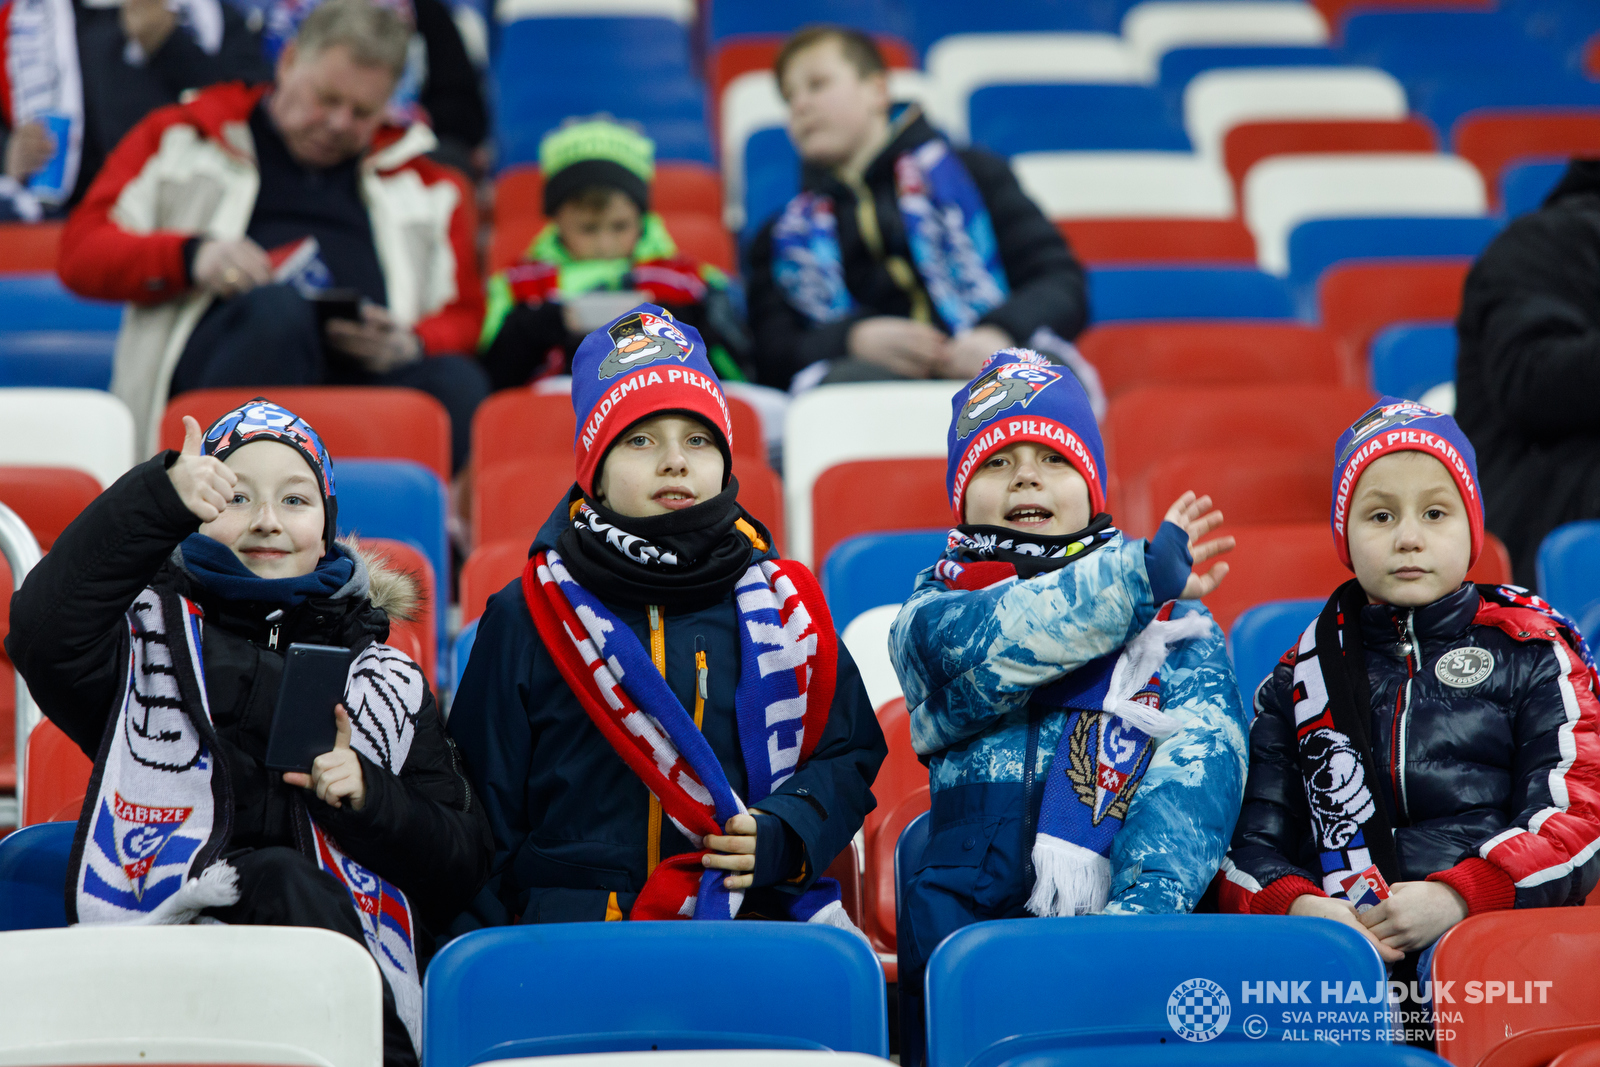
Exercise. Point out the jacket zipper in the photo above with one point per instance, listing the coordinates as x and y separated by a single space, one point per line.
1027 797
1402 710
658 656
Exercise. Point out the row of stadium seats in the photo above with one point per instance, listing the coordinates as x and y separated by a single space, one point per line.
994 990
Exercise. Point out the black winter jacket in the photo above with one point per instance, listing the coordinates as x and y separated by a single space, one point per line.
1529 366
571 819
424 830
1494 787
1047 284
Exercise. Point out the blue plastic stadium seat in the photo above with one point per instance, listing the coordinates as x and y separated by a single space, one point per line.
1411 358
401 500
1135 293
1179 66
733 18
942 18
33 874
1446 105
1009 119
1590 623
66 359
1111 981
1425 49
40 302
871 570
461 651
1316 245
569 988
907 858
771 176
1524 186
1568 567
1262 635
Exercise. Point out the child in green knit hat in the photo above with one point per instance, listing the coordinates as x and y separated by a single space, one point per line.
602 245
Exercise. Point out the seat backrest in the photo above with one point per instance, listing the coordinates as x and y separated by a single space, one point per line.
420 636
1154 28
1218 100
901 774
1411 358
867 638
1129 354
354 421
1012 119
1262 634
33 877
550 989
1250 142
1568 567
85 429
1537 970
1122 185
1319 244
1545 1048
190 994
490 568
1251 486
1132 242
47 498
1153 294
838 423
1270 417
29 247
1356 300
1284 191
39 301
398 500
1190 968
876 495
1491 142
1523 186
58 776
871 570
880 898
1584 1055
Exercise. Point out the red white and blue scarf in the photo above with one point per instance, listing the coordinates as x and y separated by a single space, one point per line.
788 654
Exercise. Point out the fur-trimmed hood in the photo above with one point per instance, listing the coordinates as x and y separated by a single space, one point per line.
394 592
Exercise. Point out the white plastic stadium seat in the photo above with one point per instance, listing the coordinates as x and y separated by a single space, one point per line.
1153 29
837 423
188 994
1068 185
1218 100
1281 192
959 64
680 11
752 102
86 429
867 638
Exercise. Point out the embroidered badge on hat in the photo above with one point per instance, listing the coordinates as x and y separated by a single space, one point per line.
1003 387
643 338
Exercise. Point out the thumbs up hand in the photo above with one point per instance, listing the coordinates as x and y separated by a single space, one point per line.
335 776
204 483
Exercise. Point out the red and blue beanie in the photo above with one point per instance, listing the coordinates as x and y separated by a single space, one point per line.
1020 395
1394 425
262 420
642 364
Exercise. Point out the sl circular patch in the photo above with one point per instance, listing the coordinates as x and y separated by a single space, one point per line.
1463 668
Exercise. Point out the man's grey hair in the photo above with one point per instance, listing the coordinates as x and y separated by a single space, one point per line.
375 35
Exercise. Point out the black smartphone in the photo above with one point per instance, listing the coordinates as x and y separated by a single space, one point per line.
336 304
302 724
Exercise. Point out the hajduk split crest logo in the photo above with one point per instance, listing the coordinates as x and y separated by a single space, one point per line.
1198 1010
1004 386
642 338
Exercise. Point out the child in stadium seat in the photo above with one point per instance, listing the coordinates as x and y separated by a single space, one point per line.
658 668
1082 728
1442 731
154 635
602 237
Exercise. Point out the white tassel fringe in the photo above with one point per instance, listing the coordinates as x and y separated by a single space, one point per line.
1071 879
216 887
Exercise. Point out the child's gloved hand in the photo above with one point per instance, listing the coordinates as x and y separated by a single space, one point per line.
739 848
1416 915
1195 517
1342 911
204 483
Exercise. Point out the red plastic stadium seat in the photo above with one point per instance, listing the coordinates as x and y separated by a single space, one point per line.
1357 300
1207 353
8 690
1152 423
514 424
1492 140
354 421
1120 242
417 638
901 789
46 498
872 495
1507 951
487 571
1542 1048
29 248
1584 1055
734 56
1251 487
1248 143
513 498
58 776
1591 57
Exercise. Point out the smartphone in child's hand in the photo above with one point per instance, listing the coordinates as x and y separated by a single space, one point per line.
303 726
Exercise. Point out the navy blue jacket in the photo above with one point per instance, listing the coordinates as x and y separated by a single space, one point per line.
571 820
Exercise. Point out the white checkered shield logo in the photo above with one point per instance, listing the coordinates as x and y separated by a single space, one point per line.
1198 1009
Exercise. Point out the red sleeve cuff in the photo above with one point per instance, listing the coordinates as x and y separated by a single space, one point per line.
1276 897
1481 884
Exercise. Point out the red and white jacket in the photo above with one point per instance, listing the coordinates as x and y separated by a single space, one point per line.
189 170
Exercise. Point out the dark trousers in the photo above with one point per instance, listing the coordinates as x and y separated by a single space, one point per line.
280 887
268 336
